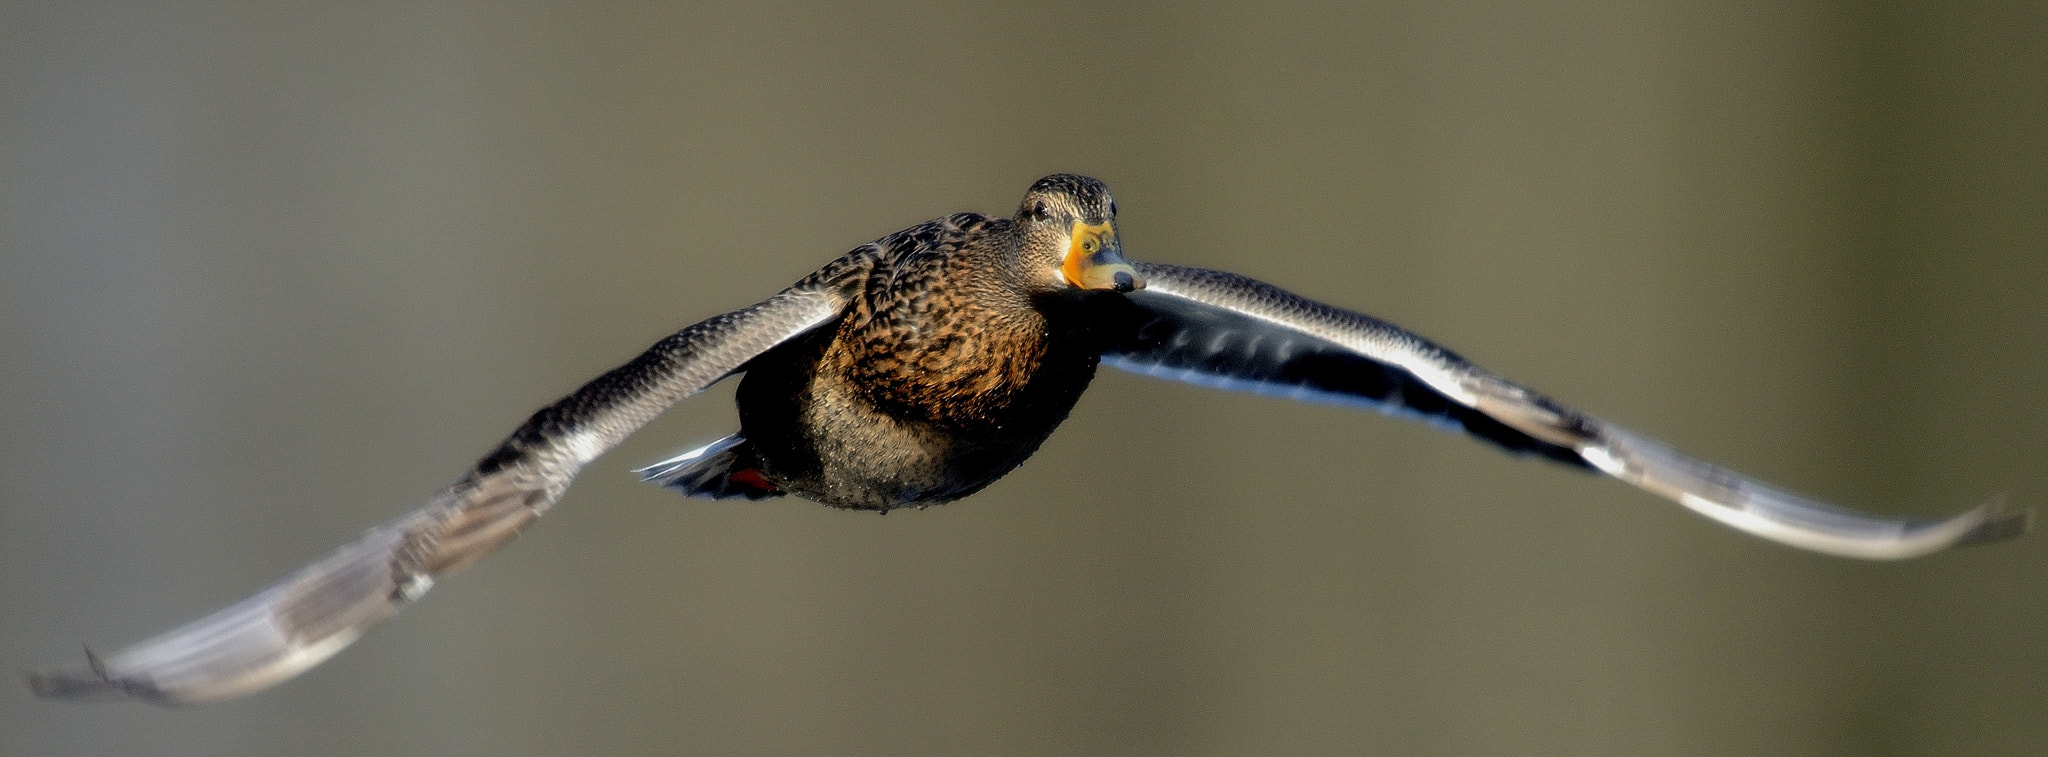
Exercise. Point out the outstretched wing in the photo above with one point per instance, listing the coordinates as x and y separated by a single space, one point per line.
1223 330
316 611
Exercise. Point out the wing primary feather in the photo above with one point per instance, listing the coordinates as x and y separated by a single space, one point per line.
1348 358
314 612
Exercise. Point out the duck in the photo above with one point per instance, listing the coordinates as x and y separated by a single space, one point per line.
918 369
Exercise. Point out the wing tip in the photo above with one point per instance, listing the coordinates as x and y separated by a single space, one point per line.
93 684
1999 523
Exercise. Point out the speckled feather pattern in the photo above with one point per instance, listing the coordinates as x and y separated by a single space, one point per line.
942 376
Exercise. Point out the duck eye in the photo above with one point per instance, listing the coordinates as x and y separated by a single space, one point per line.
1039 211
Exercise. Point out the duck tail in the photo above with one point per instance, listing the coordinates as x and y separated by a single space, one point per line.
724 469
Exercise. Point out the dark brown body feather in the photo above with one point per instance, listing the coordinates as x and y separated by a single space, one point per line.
941 376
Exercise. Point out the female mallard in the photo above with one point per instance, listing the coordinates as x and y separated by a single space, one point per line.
916 370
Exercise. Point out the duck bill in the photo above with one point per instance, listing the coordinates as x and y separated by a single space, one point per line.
1095 260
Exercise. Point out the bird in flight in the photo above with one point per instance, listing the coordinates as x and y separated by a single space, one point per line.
921 367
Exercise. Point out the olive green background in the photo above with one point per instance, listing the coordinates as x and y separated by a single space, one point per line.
271 274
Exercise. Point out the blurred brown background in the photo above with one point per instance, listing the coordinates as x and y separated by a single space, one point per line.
271 274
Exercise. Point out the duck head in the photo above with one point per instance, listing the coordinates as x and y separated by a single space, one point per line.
1069 222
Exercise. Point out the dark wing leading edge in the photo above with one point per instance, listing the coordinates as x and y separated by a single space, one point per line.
1222 330
314 612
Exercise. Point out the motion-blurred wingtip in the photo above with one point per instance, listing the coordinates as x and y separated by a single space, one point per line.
92 684
2001 522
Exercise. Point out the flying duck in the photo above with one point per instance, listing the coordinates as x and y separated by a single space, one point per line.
921 367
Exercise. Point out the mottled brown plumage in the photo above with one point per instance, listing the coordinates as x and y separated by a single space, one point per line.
918 369
948 369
